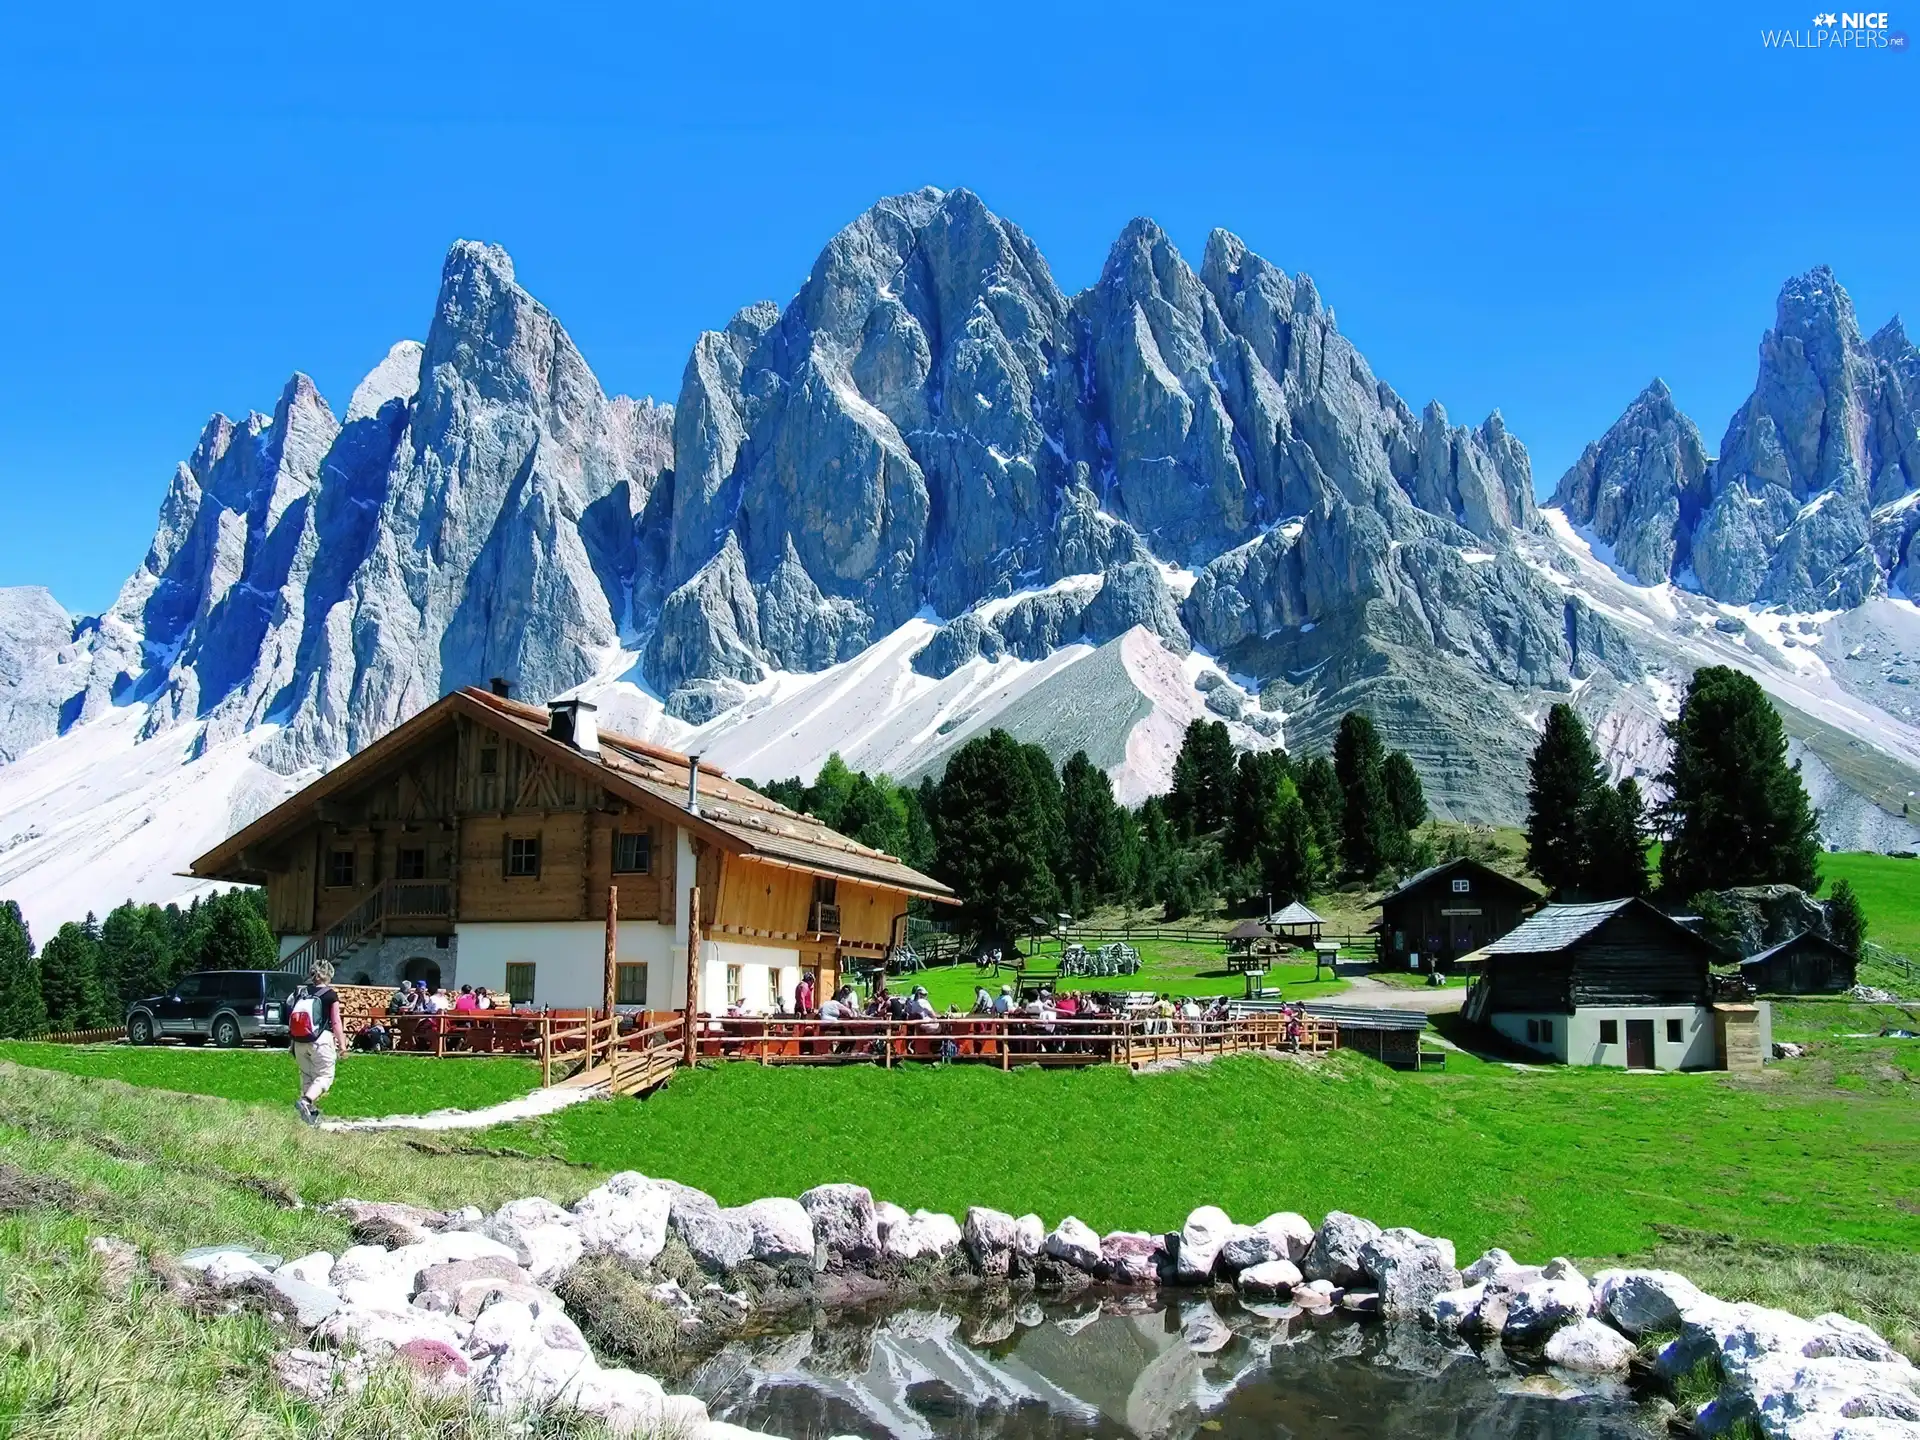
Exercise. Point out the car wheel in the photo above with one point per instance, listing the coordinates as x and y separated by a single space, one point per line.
226 1032
140 1030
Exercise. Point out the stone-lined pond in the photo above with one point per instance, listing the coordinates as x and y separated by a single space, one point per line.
1138 1367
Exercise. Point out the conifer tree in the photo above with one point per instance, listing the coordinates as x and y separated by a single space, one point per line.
229 932
1288 855
1369 837
1202 779
1846 921
23 1013
1562 779
1053 825
1614 840
989 838
70 982
1405 796
1096 839
1320 793
1736 812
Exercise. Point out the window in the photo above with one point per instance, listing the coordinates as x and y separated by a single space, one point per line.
340 869
1462 886
1546 1032
523 855
736 978
1609 1032
1673 1032
490 760
1533 1032
188 986
826 890
632 852
520 983
629 984
412 865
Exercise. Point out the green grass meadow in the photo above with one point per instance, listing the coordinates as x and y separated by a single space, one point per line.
1889 892
363 1084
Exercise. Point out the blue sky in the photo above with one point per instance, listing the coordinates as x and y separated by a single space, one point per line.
1506 207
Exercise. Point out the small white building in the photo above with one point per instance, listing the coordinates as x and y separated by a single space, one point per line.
1619 983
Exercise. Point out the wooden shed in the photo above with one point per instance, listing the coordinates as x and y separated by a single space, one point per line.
1448 910
1806 964
1613 983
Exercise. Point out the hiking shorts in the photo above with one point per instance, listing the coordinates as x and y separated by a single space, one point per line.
316 1059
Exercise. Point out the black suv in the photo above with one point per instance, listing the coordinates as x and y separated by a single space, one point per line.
224 1006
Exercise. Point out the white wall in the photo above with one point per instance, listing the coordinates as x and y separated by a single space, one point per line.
1514 1027
768 975
1576 1037
569 960
1696 1048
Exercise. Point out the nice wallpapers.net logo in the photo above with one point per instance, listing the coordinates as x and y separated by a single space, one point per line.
1845 30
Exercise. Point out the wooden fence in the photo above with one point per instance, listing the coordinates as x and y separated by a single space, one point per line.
106 1035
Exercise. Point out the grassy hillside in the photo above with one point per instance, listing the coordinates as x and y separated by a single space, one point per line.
1889 892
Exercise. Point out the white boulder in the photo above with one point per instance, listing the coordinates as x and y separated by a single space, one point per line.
1589 1346
1074 1243
1409 1269
1335 1252
1455 1310
1205 1231
625 1217
1539 1309
314 1269
378 1332
1639 1301
1283 1235
1269 1277
923 1235
781 1230
845 1221
991 1237
1132 1257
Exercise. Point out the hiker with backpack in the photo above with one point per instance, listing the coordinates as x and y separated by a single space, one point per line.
313 1024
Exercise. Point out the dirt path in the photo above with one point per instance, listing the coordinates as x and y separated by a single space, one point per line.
1363 989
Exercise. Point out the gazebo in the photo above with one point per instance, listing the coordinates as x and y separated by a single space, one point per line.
1295 924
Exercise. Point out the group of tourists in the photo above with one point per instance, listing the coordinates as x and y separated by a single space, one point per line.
412 997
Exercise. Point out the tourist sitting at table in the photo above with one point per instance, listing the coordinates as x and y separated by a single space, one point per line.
1067 1007
468 1001
402 1001
919 1007
982 1001
1003 1002
482 998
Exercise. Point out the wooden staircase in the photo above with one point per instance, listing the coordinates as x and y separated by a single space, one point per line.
390 900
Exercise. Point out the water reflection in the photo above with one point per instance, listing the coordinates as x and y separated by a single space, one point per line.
1150 1370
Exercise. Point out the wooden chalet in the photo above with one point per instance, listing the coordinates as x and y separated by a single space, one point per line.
1806 964
1613 983
1434 917
482 841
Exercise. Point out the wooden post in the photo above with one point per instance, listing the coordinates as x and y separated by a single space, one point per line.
613 940
693 967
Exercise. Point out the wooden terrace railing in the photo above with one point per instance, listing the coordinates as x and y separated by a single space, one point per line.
994 1040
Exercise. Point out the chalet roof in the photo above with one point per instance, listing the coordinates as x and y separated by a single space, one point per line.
1448 867
1295 914
1555 928
1559 927
727 813
1796 941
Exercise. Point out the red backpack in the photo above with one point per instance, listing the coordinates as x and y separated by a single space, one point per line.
303 1020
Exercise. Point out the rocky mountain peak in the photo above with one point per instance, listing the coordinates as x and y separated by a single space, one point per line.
1801 508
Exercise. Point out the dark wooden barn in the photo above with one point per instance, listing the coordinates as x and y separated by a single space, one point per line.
1449 910
1807 964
